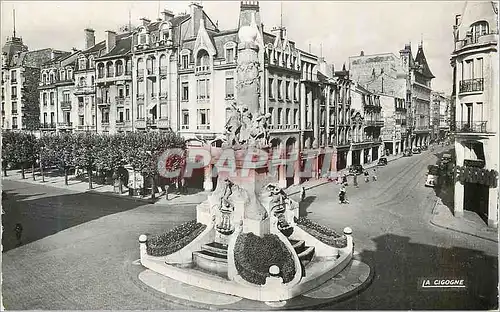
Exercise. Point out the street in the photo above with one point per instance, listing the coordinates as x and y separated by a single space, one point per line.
79 249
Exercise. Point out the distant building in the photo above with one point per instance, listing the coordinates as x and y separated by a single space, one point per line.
394 129
440 119
475 96
20 79
405 77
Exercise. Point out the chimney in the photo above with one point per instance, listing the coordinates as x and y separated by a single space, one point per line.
145 21
278 32
196 16
110 40
89 38
362 53
167 15
458 19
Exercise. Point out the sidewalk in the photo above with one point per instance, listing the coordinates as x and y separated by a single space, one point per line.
470 223
83 187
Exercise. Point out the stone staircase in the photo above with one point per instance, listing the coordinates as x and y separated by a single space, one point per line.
213 258
305 253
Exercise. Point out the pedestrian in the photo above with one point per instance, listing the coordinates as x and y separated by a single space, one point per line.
19 232
374 177
342 195
355 182
344 179
367 177
303 194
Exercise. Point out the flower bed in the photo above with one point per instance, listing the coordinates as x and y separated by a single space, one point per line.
175 239
254 256
322 233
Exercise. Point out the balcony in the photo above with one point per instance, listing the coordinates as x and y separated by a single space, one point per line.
14 112
401 109
477 163
151 72
102 102
471 127
110 74
120 100
151 122
48 125
65 125
486 38
65 104
163 123
471 85
82 89
202 69
140 123
374 123
203 127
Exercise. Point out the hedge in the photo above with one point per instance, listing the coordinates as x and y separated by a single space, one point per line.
254 256
175 239
322 233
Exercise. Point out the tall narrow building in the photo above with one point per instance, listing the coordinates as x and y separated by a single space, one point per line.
475 96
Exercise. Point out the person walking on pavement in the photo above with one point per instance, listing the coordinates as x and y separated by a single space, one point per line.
303 194
19 232
342 195
374 177
355 178
367 177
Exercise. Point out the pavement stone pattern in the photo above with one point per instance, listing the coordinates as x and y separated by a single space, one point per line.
470 223
349 282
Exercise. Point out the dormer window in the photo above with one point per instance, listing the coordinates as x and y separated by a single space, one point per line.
82 64
202 61
143 36
230 52
91 61
479 29
164 33
70 74
62 74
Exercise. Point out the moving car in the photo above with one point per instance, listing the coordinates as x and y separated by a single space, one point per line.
356 169
446 158
432 175
382 161
407 153
416 150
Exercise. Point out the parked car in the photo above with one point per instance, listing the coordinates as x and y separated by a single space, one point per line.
432 176
356 169
382 161
446 158
407 153
416 150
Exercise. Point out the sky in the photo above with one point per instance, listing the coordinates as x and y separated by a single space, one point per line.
335 29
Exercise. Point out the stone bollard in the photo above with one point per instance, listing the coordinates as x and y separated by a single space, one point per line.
274 280
348 234
142 245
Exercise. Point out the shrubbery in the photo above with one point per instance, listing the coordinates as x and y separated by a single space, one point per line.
254 256
322 233
175 239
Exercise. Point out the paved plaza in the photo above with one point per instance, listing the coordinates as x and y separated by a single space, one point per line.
79 250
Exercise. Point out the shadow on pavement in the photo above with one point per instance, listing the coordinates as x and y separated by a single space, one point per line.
400 265
45 216
303 205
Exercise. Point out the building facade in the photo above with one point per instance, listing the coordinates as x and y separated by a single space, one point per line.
475 96
440 119
20 79
394 129
404 77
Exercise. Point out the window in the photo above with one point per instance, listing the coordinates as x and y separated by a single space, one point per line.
82 64
127 90
119 68
13 93
44 118
287 116
140 111
229 87
52 99
66 97
80 101
91 62
14 122
271 88
120 114
479 29
143 39
287 90
81 120
52 117
93 120
185 61
62 74
100 70
127 114
280 91
295 116
280 116
120 92
82 82
185 118
469 70
13 76
14 107
479 68
45 99
230 55
105 117
185 91
203 119
296 91
203 89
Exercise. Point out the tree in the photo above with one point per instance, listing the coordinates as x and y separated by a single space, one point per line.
24 150
48 156
111 155
8 149
61 146
85 147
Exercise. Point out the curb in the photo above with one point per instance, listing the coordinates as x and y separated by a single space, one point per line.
455 230
148 201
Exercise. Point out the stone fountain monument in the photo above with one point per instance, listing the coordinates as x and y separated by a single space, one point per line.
247 216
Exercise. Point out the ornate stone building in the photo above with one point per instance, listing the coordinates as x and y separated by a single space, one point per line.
20 79
475 96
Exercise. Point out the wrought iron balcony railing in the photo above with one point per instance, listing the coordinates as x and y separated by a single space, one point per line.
471 85
471 126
